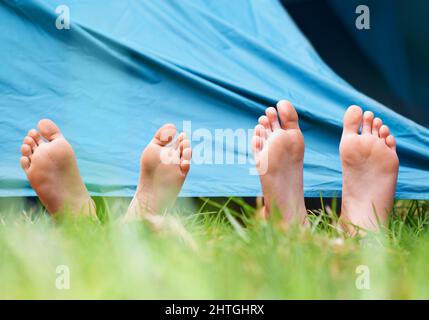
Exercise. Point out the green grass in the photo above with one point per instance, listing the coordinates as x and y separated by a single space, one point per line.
216 249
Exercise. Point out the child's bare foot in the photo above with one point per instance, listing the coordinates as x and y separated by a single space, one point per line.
52 170
370 170
279 154
163 169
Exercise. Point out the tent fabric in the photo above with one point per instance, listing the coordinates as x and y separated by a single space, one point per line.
126 67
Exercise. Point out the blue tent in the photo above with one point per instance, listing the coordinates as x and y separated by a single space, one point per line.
124 68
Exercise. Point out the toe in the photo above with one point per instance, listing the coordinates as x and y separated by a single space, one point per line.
260 131
258 138
288 115
384 131
368 117
28 140
376 125
26 150
256 144
352 120
272 118
391 142
177 143
49 129
263 121
165 134
33 133
25 163
184 144
185 160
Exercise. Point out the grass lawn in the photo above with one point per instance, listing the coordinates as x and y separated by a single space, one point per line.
214 249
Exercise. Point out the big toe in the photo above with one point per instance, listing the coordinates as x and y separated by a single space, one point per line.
288 115
49 129
352 119
165 134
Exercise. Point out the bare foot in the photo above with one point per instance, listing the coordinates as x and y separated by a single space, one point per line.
370 170
279 154
52 170
164 165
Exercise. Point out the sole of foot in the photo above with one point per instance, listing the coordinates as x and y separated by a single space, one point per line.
370 170
50 164
164 165
278 148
